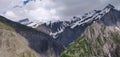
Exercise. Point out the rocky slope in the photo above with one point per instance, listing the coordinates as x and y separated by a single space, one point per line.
100 39
97 40
12 44
17 40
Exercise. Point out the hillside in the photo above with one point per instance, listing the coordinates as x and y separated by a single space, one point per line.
97 40
12 44
17 40
100 39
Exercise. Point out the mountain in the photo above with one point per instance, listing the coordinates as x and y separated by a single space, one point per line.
100 39
28 23
12 44
97 32
94 34
64 30
25 21
18 40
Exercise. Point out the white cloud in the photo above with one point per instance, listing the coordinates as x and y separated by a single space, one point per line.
46 10
42 14
11 15
39 10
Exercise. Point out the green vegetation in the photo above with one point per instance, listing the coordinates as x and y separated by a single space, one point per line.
81 48
85 47
116 37
3 26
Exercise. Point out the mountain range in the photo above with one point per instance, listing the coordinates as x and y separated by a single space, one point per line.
96 33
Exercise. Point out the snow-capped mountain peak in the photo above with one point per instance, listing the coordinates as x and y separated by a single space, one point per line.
56 28
77 21
93 16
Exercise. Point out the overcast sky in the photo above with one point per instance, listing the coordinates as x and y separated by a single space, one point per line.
46 10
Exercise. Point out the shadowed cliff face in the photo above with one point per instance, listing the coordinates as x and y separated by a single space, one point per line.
38 41
112 18
100 39
70 35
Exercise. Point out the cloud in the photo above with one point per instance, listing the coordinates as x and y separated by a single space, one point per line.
42 11
11 15
53 10
42 14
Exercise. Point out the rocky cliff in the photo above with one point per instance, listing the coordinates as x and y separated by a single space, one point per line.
100 39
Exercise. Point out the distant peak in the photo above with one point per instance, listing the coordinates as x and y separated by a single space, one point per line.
110 6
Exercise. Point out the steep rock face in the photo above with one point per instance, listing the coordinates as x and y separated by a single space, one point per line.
100 39
97 40
103 40
41 43
112 18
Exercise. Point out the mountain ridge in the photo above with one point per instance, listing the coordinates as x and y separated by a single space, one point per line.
100 39
87 28
57 28
38 41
